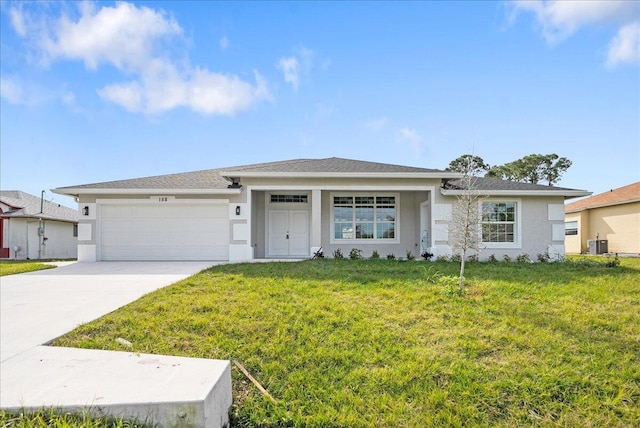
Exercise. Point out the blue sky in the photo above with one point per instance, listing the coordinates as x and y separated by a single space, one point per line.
99 91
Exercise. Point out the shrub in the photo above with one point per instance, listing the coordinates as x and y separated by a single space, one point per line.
523 258
337 254
391 256
442 258
432 275
426 255
473 258
450 285
544 258
410 256
492 259
506 258
375 255
455 258
612 263
355 254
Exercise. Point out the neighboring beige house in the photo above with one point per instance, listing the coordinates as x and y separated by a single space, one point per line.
33 228
291 209
612 217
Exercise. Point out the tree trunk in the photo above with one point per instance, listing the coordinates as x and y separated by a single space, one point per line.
462 271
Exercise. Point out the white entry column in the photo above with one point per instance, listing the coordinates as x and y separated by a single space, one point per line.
316 220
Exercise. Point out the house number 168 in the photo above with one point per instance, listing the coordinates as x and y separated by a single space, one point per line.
163 199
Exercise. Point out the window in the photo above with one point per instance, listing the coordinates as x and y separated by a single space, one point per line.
365 217
75 230
499 222
297 199
571 228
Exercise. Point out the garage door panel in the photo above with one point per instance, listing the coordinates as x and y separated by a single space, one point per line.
165 232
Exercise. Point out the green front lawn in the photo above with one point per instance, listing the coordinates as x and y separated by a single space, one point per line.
372 343
11 267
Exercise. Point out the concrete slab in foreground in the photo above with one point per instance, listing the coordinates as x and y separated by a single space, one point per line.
168 391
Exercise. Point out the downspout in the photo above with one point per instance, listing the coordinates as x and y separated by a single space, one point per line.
27 240
39 238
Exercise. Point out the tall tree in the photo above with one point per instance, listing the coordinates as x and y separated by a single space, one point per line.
468 163
532 169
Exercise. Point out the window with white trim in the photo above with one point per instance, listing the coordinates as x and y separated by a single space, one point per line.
291 199
499 222
571 228
364 217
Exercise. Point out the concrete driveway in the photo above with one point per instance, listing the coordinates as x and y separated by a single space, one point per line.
38 307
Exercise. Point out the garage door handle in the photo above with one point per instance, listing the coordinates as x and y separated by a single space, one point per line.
287 235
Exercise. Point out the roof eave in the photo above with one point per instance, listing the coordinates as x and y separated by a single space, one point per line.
251 174
605 205
559 192
77 191
38 217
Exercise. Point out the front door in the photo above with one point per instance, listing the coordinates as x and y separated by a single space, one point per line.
288 233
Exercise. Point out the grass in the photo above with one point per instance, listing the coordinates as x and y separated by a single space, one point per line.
376 343
12 267
51 417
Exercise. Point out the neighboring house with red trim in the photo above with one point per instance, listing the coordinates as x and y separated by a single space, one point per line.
33 228
291 209
612 216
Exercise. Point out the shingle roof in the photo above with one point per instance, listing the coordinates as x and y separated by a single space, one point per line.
214 179
205 179
28 206
621 195
329 165
495 184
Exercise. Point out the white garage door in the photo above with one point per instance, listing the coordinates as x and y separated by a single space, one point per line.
164 232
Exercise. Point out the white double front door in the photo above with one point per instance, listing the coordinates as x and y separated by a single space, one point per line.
288 233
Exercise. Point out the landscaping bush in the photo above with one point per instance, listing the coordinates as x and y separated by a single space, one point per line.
355 254
426 255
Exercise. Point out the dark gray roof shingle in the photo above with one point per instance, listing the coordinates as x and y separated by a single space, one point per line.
328 165
214 178
494 184
206 179
26 205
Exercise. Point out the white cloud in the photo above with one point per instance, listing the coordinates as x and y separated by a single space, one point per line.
412 138
560 19
137 42
68 98
296 66
17 22
290 68
11 91
224 43
202 91
19 92
376 124
625 47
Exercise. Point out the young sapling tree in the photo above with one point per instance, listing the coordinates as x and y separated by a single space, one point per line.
466 218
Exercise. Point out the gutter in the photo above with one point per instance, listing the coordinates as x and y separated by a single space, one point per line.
604 205
77 191
565 193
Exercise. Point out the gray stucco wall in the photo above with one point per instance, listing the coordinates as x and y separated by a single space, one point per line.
537 228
